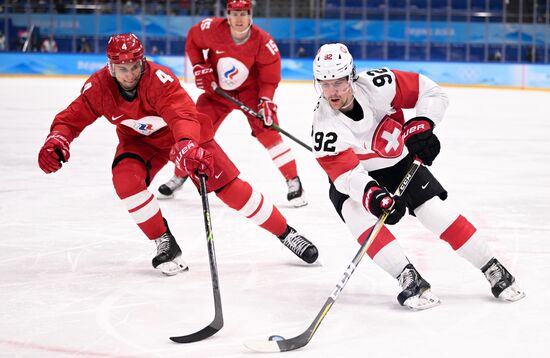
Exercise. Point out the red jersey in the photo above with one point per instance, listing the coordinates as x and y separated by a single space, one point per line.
160 104
236 66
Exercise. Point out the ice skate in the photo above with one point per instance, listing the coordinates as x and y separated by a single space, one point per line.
299 245
166 190
416 292
296 192
502 282
168 258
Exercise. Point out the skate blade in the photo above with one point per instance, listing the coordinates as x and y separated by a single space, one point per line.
422 302
173 267
298 202
161 196
512 294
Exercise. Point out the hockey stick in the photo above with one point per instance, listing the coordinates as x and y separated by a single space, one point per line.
253 113
217 323
283 345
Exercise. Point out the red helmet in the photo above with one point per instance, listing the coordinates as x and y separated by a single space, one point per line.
124 48
239 5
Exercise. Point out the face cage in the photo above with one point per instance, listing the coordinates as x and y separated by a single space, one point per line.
112 67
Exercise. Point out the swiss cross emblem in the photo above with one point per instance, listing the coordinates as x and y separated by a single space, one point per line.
387 141
386 203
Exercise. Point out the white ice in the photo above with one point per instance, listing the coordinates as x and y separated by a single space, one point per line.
76 277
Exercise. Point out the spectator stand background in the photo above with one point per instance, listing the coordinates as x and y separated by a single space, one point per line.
434 30
484 42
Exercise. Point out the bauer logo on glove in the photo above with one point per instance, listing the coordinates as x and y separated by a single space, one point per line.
191 159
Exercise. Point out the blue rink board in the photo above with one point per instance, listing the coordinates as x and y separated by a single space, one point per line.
486 74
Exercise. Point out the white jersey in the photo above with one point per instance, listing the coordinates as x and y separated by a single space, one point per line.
348 149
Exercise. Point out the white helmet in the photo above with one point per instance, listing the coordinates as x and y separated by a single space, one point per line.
333 61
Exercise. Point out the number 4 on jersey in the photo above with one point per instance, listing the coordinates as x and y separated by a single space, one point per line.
163 76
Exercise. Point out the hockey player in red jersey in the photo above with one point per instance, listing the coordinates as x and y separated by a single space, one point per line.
156 121
365 146
244 61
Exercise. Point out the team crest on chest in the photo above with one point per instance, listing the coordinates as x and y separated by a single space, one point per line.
146 125
231 73
387 141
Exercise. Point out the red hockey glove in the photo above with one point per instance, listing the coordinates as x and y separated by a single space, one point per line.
268 110
54 151
190 159
204 76
377 200
420 140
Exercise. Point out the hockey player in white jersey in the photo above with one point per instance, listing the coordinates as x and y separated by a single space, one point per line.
362 141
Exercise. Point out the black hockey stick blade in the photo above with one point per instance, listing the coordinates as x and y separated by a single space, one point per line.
278 346
284 345
217 323
209 330
204 333
273 346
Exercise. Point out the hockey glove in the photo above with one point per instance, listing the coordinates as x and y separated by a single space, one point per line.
420 140
377 200
54 151
190 159
204 76
268 110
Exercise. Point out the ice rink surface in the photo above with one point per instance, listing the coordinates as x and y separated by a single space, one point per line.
76 277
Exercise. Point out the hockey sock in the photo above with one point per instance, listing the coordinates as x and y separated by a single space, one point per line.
240 196
456 230
461 235
280 153
385 251
129 182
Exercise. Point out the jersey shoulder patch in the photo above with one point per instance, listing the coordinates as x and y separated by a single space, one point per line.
380 86
379 77
206 24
